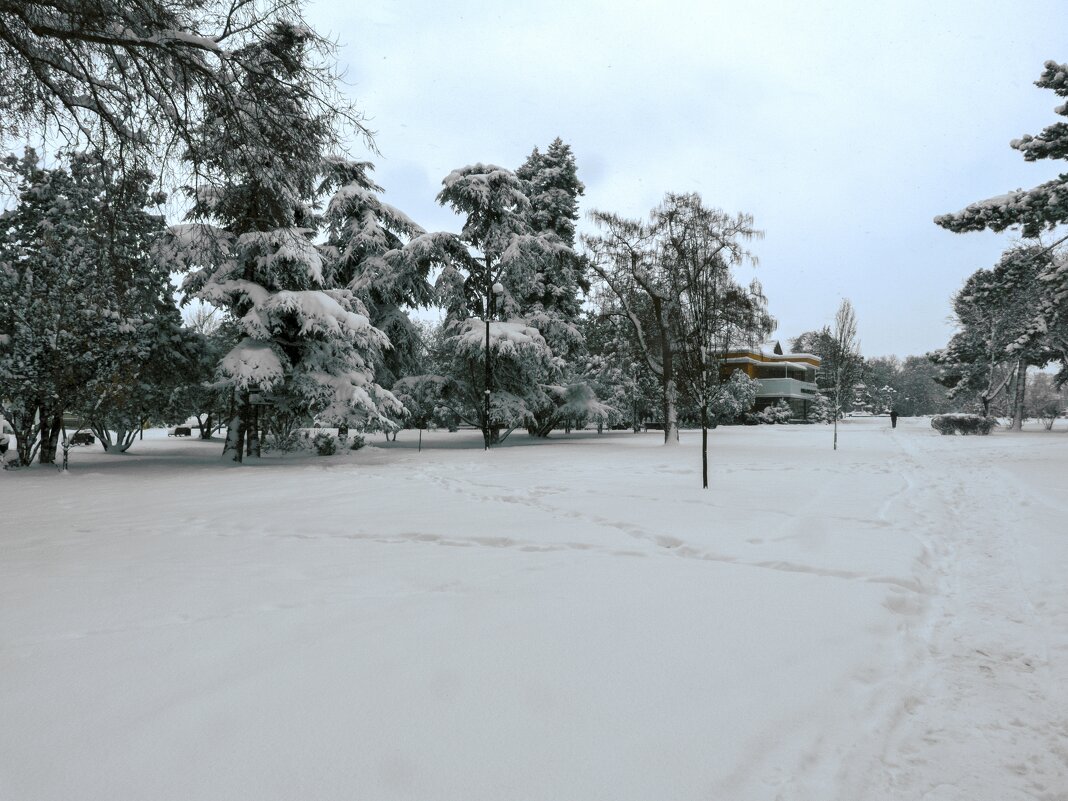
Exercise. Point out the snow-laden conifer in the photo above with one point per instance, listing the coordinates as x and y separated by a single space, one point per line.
1035 211
307 347
998 337
492 287
385 259
87 319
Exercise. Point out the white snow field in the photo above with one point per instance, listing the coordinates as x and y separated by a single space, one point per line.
572 620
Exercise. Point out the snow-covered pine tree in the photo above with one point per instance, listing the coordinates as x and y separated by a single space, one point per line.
997 339
152 354
385 258
1035 211
487 292
821 409
1052 320
91 325
619 374
777 414
307 347
552 301
49 336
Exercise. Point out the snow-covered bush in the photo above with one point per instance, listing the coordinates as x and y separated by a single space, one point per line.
356 442
325 444
962 424
285 441
777 414
820 410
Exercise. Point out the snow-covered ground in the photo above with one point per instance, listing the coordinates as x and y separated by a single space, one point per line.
573 619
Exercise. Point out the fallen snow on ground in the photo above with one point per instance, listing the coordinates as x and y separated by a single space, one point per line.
572 619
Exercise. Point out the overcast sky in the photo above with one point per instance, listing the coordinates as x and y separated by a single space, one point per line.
843 127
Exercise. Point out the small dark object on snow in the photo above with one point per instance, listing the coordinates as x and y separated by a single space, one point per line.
893 419
82 438
182 431
962 424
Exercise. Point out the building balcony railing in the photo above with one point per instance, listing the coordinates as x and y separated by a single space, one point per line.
785 388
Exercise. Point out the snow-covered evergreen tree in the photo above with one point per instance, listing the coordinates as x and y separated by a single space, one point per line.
552 300
86 311
777 414
617 372
48 323
492 287
1035 211
731 399
367 241
997 339
821 409
307 347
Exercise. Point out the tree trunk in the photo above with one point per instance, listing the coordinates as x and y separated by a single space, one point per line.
704 447
545 420
671 414
252 438
51 426
837 410
26 429
121 437
234 448
1018 399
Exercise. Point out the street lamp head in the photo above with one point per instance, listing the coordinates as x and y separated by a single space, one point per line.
498 288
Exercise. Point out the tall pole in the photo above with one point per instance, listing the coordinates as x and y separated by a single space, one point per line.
489 366
489 384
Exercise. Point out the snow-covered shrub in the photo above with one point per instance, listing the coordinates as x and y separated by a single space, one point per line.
962 424
779 413
325 444
820 410
357 441
285 441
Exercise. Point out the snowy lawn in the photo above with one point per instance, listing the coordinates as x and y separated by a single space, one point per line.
564 620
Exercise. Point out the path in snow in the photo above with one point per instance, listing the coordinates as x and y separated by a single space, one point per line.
988 714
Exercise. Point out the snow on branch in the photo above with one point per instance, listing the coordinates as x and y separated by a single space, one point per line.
252 363
285 246
505 337
1034 210
194 245
318 312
